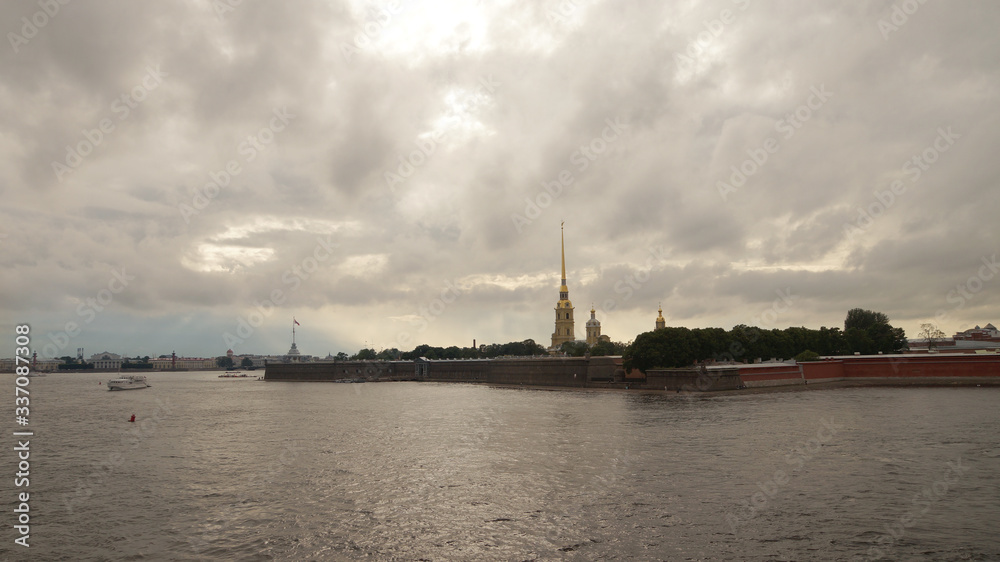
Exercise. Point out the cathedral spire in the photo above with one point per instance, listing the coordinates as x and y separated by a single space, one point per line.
562 229
564 331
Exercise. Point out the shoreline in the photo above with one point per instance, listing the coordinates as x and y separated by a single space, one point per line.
987 381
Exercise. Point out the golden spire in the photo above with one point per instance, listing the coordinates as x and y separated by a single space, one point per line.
562 229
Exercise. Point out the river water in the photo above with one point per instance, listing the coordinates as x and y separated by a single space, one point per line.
224 469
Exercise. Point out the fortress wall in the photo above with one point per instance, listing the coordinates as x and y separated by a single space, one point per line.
823 371
331 371
596 371
692 380
557 371
604 368
921 366
779 374
457 371
885 368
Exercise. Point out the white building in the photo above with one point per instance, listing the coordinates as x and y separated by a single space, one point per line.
184 363
106 360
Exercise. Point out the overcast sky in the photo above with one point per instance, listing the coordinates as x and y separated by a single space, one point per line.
175 172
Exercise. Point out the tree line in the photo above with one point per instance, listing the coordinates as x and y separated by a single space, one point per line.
485 351
865 332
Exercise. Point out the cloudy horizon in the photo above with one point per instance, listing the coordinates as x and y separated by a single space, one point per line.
191 176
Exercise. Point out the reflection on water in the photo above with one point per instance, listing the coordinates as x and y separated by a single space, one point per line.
241 469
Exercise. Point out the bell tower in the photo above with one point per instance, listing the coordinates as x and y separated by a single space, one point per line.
593 328
564 308
660 321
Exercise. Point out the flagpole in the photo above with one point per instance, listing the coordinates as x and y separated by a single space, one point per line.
293 331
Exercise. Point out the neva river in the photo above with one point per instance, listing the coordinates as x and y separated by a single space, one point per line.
236 469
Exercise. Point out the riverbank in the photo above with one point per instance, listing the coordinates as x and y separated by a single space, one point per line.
986 382
608 373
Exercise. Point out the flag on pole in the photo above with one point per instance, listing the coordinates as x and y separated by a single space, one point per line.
296 322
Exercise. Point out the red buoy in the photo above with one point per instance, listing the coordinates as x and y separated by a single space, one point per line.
132 419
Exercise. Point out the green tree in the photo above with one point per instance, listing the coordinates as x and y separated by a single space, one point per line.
604 348
667 347
574 348
864 319
224 362
807 355
831 341
246 363
870 332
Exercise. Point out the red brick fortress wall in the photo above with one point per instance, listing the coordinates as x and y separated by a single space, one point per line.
891 369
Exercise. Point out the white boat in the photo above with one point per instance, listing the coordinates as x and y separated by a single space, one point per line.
128 382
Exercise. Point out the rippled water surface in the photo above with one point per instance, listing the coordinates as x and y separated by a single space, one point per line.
221 469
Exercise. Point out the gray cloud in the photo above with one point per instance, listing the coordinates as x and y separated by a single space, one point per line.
514 97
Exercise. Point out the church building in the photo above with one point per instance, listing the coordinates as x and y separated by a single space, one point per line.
565 325
594 330
564 308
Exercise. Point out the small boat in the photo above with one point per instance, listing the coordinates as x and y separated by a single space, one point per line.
128 382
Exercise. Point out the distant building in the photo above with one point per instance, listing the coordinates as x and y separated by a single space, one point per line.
9 365
184 363
974 340
660 321
106 360
988 333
